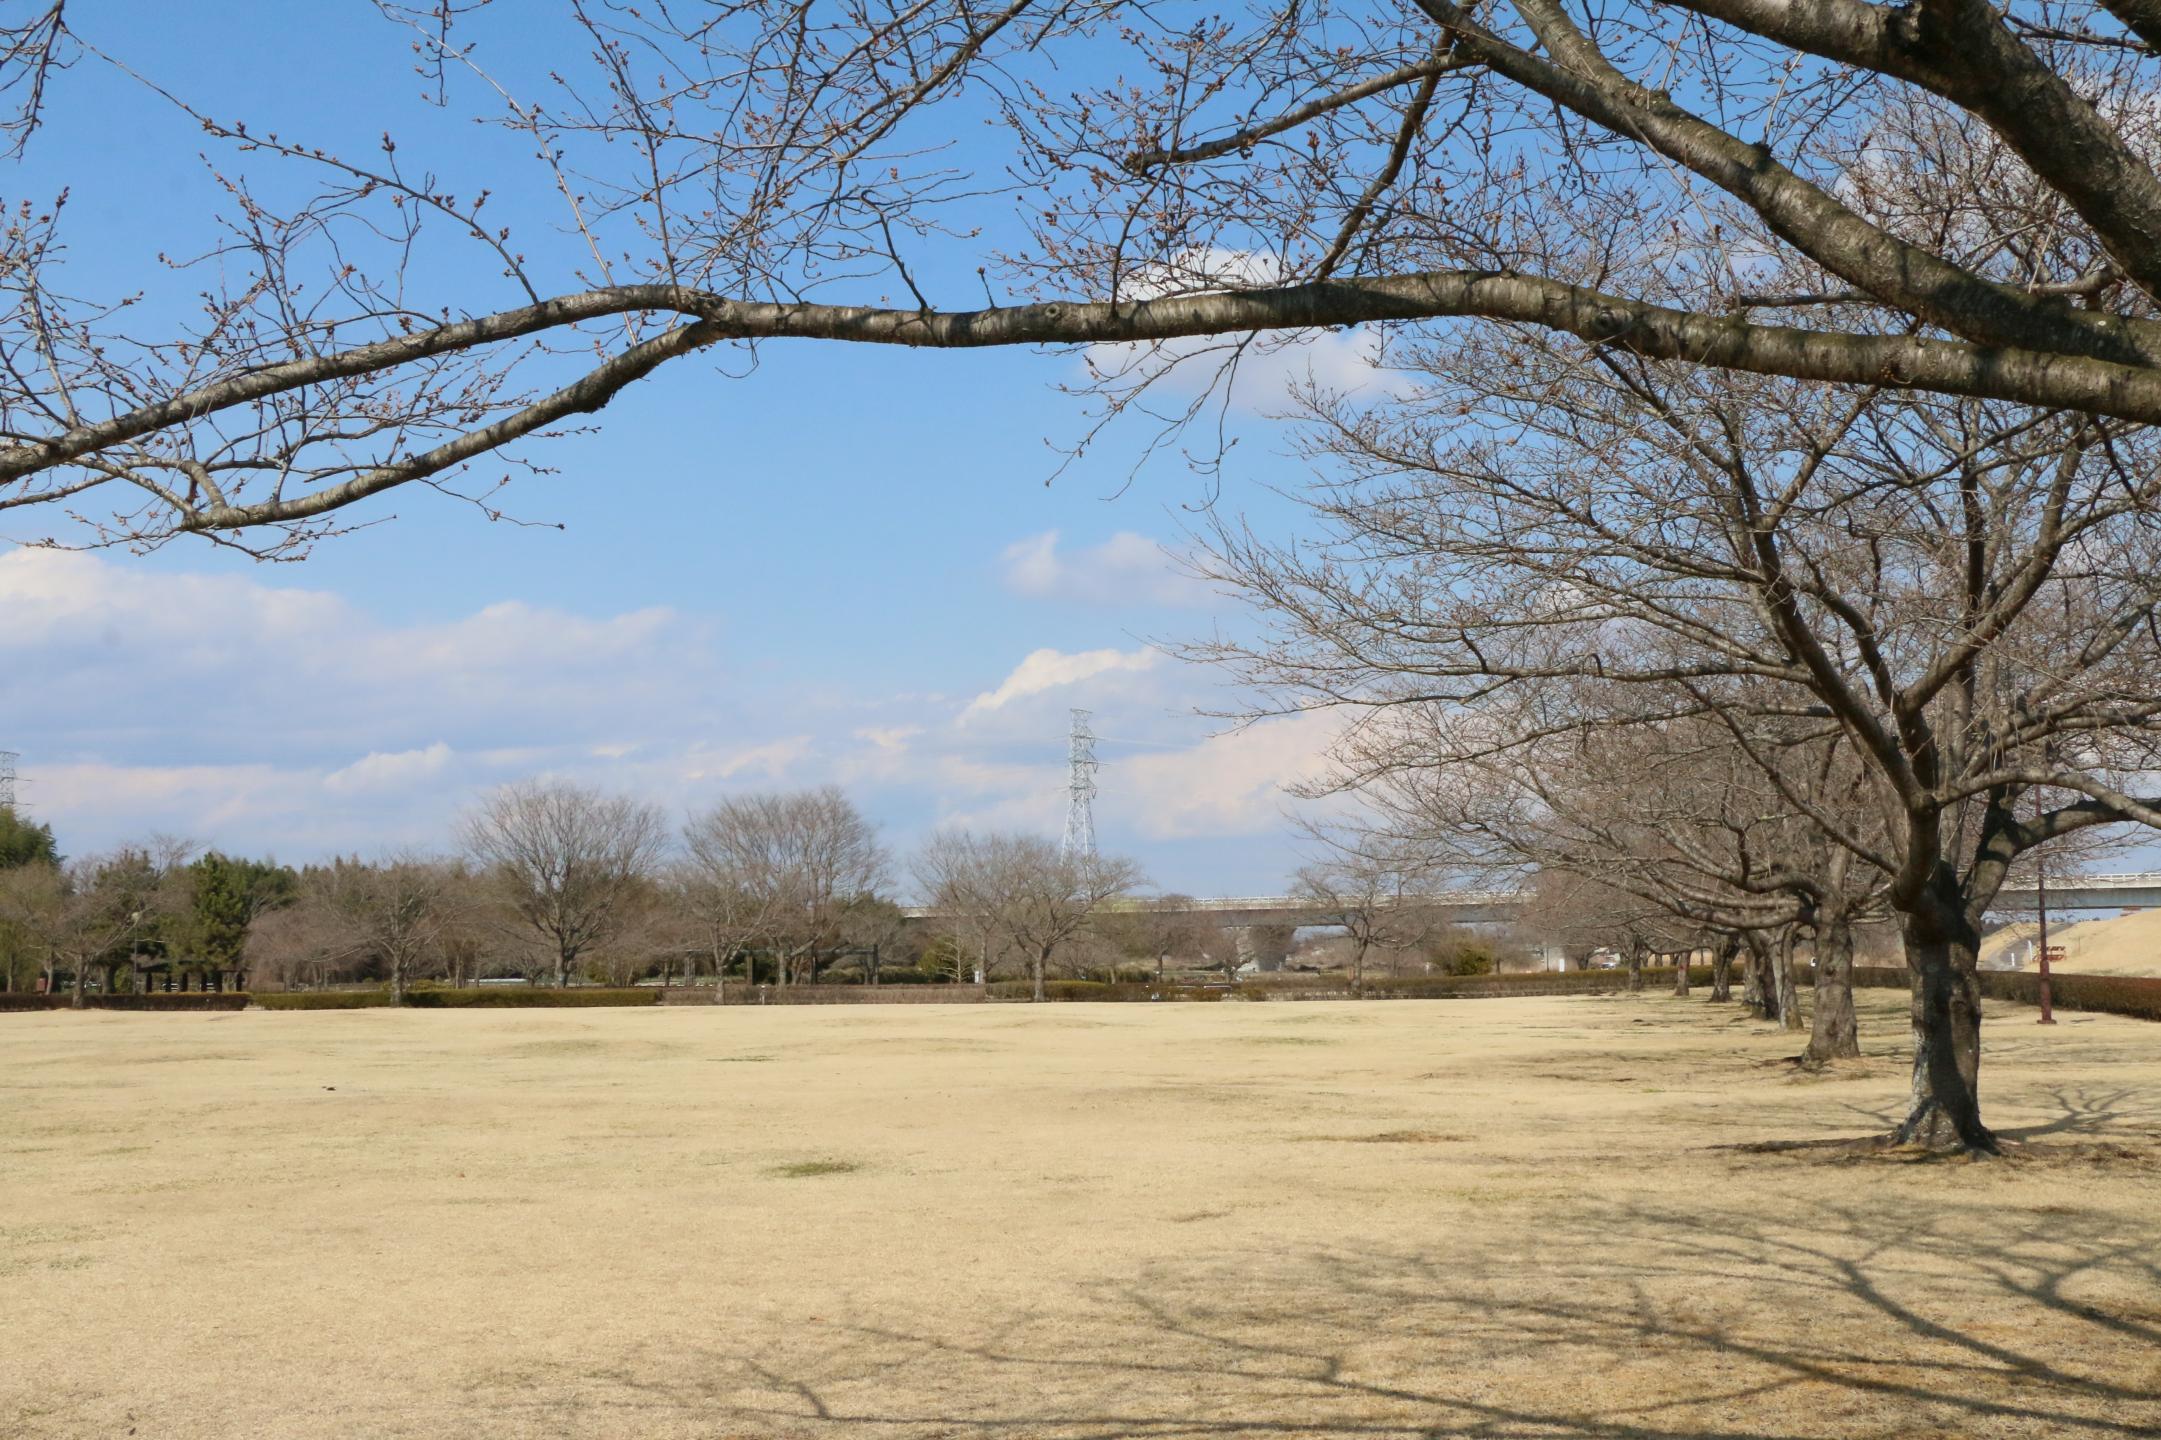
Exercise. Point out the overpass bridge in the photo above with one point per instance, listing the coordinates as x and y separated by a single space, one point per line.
1264 925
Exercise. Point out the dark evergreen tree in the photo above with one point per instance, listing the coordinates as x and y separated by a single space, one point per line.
24 843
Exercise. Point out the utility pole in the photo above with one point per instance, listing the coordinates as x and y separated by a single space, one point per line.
1081 765
7 778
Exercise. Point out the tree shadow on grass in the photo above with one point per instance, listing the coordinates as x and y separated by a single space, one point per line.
1906 1317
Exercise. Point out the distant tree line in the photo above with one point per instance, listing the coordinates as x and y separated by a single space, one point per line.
557 883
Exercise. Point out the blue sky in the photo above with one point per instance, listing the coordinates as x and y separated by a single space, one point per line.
846 566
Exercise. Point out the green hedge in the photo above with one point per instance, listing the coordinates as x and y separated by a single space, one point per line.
504 997
2102 994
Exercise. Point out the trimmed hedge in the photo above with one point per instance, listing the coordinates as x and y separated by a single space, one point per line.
1475 987
491 998
1104 990
2101 994
323 999
154 1000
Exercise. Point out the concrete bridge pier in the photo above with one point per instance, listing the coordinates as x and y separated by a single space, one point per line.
1265 947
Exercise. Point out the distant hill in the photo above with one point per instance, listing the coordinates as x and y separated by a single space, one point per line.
2126 945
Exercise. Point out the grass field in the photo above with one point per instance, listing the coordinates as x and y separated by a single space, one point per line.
1498 1218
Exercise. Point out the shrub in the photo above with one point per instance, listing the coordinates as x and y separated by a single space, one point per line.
193 1000
1462 960
515 996
2103 994
324 1000
909 975
1100 990
479 998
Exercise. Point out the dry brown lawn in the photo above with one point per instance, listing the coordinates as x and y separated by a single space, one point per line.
1490 1218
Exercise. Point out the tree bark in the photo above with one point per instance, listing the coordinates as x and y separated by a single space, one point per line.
1943 947
82 972
1680 972
1789 1002
1635 967
1722 968
1833 1033
1759 992
1042 963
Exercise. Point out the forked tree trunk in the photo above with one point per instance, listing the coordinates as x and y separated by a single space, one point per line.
1833 1034
1789 1003
1943 946
1722 968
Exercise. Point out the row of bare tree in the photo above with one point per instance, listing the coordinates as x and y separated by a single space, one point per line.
562 882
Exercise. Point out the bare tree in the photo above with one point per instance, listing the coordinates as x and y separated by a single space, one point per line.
791 872
1963 597
31 900
1022 890
1695 180
1369 889
96 911
570 862
1160 927
395 911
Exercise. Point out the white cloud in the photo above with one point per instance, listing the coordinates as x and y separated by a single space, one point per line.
770 761
289 721
1045 670
1126 569
379 771
1235 783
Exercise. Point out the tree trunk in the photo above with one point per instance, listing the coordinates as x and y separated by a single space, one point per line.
1943 946
1722 968
562 968
1757 991
1635 967
1160 958
82 973
397 982
1680 972
1834 1034
1042 963
1789 1003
